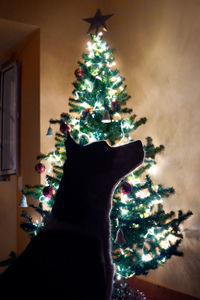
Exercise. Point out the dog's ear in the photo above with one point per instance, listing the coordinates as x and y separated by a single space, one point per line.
70 144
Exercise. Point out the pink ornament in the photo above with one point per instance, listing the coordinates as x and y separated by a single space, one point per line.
40 168
64 127
79 73
48 191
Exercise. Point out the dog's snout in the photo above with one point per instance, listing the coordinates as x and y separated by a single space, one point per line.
140 150
139 144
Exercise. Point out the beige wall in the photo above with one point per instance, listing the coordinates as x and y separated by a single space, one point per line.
29 58
8 218
159 55
158 46
11 236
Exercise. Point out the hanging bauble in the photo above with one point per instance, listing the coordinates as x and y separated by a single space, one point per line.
40 168
49 132
48 191
65 127
115 105
79 73
120 237
106 117
126 187
23 202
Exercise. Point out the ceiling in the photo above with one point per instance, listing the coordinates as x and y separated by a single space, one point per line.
11 35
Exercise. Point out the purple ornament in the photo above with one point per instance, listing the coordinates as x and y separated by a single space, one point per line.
126 187
115 105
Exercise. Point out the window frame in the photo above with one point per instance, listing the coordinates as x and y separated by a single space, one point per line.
6 173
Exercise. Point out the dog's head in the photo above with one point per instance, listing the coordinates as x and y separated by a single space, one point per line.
89 176
101 161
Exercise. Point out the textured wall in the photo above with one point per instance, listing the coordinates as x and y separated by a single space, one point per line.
158 46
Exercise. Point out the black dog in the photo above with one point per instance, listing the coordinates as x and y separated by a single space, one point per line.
71 259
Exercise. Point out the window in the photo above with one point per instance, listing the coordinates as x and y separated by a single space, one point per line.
8 120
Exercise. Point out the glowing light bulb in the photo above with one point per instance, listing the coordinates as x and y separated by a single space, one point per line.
142 194
118 79
157 201
76 96
107 55
164 244
124 198
155 187
73 121
85 104
171 238
111 91
153 170
88 63
124 211
77 127
146 257
133 180
91 55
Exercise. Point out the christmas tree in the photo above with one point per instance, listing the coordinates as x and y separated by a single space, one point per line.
144 236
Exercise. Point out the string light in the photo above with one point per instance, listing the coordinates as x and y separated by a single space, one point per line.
153 170
146 257
142 194
124 198
88 63
124 211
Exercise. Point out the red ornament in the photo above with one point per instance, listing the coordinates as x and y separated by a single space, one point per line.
79 73
126 187
64 127
48 191
40 168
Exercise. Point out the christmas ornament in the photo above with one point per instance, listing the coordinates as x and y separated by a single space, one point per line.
65 127
97 21
23 202
48 191
49 132
115 105
126 187
79 73
106 117
120 237
40 168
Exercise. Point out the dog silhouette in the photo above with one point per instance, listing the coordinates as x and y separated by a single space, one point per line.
71 257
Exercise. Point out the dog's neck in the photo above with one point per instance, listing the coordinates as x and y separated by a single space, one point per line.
82 205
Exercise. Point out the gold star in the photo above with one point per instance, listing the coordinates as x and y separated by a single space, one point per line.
97 21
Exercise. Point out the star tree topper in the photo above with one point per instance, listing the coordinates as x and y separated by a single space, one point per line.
97 21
